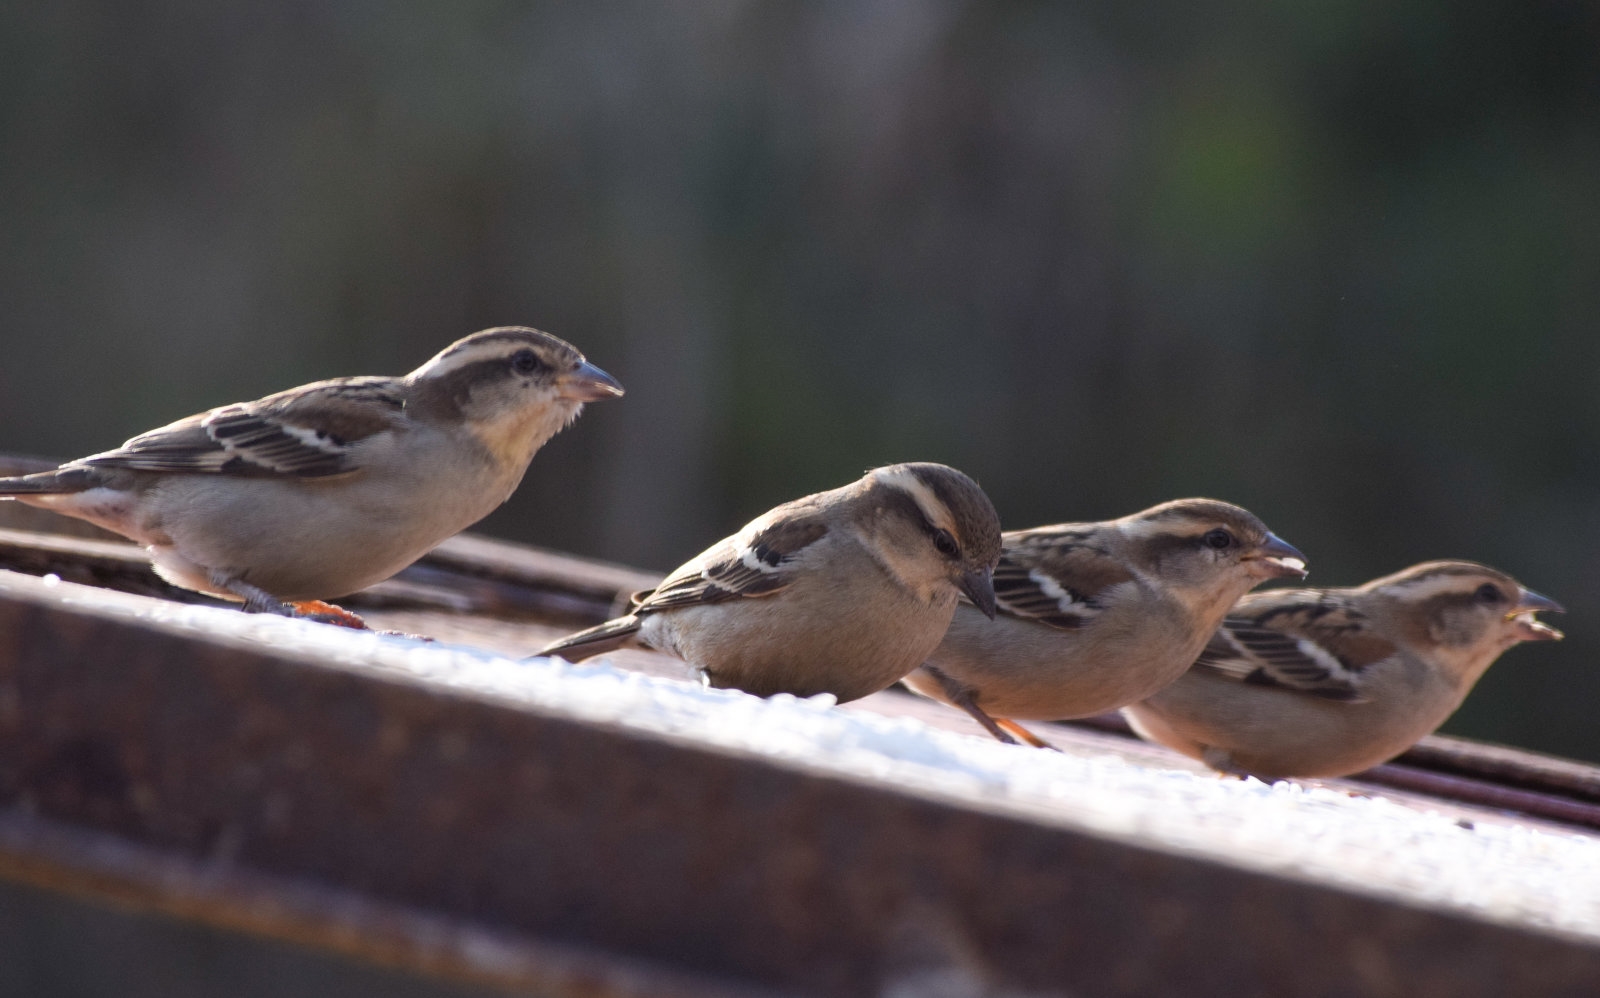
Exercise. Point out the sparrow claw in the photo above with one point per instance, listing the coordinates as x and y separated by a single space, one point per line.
327 613
1023 734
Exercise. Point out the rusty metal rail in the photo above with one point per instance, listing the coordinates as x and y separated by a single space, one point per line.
221 780
473 840
493 579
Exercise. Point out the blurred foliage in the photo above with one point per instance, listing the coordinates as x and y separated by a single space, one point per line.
1339 263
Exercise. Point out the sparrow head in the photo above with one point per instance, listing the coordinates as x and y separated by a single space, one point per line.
514 386
507 366
936 528
1211 550
1469 612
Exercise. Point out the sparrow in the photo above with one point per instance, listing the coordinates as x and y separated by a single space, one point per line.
1093 616
321 490
841 592
1328 682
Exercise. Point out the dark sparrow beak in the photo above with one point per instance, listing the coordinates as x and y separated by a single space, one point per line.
979 587
1276 558
1528 627
587 383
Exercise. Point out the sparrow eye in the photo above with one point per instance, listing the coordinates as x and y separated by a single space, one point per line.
1217 539
526 362
946 543
1489 593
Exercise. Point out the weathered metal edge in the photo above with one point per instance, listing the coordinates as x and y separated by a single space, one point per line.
601 838
109 870
472 574
479 575
83 598
1516 766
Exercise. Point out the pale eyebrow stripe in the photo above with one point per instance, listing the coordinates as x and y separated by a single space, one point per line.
932 507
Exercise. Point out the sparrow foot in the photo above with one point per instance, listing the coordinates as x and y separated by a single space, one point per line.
1023 734
1221 760
327 613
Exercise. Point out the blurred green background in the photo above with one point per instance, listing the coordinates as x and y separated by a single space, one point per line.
1339 263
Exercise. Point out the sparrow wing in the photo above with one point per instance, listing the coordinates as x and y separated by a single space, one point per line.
1056 576
301 433
758 561
1308 640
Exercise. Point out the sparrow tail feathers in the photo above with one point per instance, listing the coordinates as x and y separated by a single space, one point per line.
58 482
597 640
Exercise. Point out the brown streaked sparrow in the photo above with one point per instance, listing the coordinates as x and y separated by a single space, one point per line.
841 592
325 489
1328 682
1097 615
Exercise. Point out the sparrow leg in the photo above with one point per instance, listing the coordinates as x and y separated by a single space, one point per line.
256 599
961 697
1023 734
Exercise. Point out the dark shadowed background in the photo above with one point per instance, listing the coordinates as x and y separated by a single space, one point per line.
1337 263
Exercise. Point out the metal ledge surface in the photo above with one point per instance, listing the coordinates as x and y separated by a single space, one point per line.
514 597
215 771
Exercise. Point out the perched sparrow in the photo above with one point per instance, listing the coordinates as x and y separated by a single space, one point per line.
841 592
1327 682
325 489
1097 615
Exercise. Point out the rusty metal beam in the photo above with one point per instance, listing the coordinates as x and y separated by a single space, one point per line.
294 799
63 857
493 579
256 774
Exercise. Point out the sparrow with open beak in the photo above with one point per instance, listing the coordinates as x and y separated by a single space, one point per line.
1328 682
1093 616
841 592
325 489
